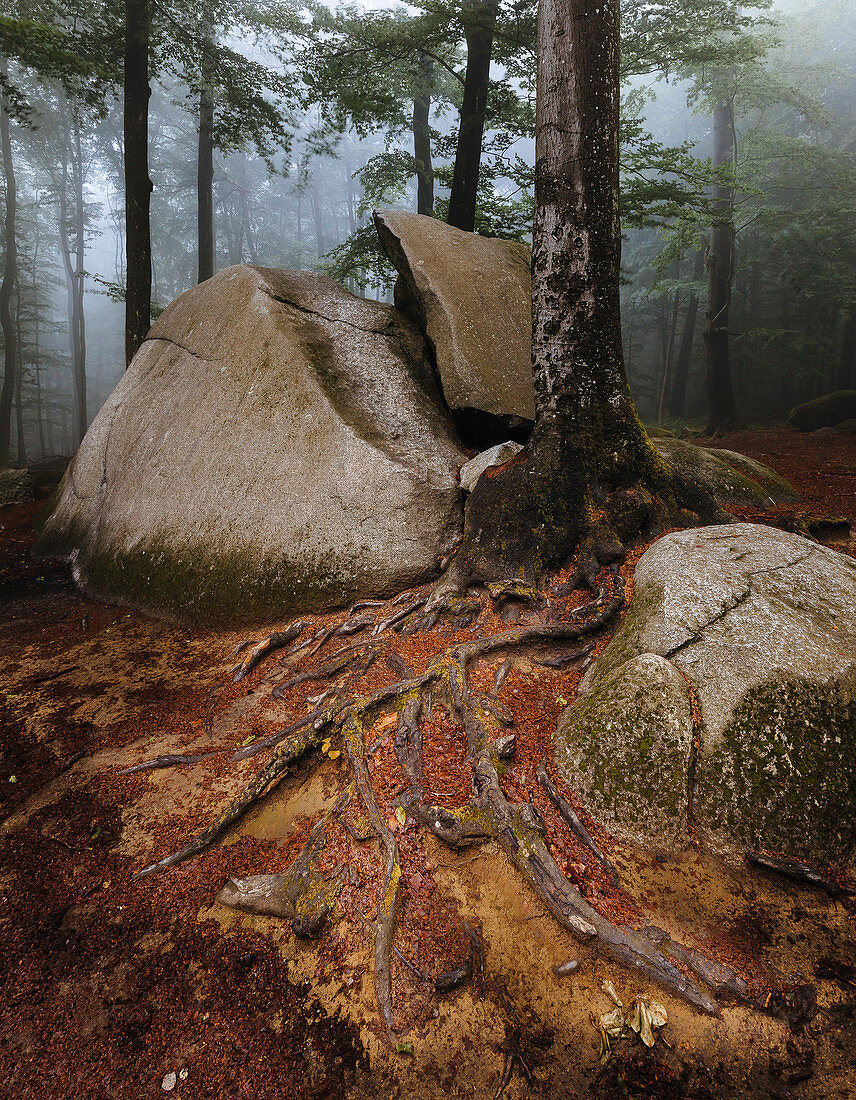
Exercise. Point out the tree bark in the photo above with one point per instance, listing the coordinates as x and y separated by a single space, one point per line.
422 139
138 185
589 477
205 167
678 388
7 285
722 410
479 19
846 374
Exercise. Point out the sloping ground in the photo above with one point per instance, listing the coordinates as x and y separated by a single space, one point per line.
111 984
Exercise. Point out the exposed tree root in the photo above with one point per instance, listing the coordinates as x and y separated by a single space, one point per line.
261 649
570 816
167 761
799 872
306 896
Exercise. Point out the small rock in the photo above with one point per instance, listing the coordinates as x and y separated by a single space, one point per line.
168 1083
566 968
495 456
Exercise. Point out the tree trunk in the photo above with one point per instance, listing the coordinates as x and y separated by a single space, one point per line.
479 19
846 374
669 350
589 478
19 382
205 167
678 388
138 186
422 139
73 263
10 274
722 410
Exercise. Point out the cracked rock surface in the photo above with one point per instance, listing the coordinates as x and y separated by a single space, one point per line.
277 444
471 294
762 625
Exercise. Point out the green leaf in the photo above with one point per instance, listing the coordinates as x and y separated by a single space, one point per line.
400 815
404 1048
248 740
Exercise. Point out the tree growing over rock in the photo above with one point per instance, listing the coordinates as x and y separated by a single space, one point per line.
588 481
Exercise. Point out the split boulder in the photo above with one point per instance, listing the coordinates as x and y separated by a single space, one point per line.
277 444
762 624
471 296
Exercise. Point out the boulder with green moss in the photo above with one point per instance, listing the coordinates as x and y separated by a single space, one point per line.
277 444
731 477
627 744
762 624
825 411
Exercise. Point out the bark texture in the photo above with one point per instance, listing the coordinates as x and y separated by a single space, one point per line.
138 185
205 168
479 19
10 273
720 268
589 477
422 139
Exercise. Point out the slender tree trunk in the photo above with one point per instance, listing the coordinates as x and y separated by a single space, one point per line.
138 185
79 283
10 274
668 359
19 383
315 201
422 138
722 410
205 167
479 19
846 374
678 388
37 350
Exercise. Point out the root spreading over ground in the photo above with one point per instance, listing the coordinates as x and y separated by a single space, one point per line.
358 854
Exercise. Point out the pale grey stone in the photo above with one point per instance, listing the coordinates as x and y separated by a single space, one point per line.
277 444
763 625
494 456
472 296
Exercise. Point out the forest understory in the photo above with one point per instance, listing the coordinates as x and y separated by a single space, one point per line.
427 952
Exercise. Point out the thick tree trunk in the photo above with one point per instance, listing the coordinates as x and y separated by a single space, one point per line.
205 246
138 186
422 139
7 285
678 388
589 478
479 19
722 410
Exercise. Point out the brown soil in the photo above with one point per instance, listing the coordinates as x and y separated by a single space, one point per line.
109 983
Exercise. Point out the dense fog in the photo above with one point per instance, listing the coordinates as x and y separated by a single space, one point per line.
738 136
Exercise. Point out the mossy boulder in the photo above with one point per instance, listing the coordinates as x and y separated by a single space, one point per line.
762 623
16 486
277 444
471 295
625 747
731 477
825 411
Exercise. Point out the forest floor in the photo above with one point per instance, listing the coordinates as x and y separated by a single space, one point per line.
111 985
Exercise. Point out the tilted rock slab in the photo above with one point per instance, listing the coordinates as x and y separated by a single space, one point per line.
472 296
277 444
762 625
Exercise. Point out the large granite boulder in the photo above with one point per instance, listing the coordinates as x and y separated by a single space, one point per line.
731 477
277 444
824 412
471 295
762 625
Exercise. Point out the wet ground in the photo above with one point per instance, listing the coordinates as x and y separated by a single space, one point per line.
111 985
